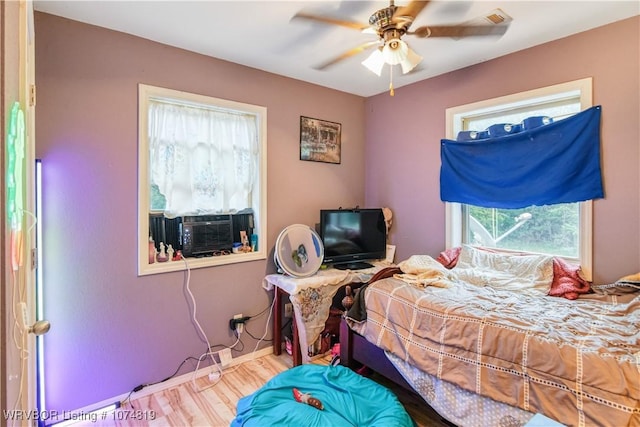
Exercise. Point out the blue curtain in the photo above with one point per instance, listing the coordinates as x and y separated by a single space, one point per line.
554 163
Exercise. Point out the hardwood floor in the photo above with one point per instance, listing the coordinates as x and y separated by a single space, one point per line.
215 405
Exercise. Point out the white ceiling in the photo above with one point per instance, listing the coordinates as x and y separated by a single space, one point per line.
261 34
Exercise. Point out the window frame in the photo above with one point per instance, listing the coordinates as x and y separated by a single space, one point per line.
146 92
454 119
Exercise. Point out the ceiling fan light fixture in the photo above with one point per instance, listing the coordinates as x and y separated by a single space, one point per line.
410 62
395 51
375 62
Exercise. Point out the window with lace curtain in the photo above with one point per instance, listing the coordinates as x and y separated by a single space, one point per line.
199 155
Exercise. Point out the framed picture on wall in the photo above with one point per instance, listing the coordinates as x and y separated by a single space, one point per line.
319 140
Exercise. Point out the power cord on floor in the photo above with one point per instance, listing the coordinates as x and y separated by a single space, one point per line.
238 341
198 360
212 377
209 353
141 386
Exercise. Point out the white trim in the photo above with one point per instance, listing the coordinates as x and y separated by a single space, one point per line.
453 215
454 117
586 240
173 382
25 276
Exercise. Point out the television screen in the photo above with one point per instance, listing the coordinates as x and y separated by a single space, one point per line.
353 236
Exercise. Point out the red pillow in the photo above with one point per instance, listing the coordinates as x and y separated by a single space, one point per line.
567 281
449 258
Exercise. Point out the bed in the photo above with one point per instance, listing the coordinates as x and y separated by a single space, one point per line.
485 342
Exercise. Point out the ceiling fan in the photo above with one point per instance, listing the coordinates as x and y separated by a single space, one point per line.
393 22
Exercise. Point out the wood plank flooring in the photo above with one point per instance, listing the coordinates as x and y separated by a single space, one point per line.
215 405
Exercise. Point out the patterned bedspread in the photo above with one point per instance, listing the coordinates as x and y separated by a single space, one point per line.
574 361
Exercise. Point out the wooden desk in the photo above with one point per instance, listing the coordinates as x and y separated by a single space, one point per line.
311 298
280 297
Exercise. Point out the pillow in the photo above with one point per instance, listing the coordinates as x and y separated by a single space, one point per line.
632 278
518 273
568 281
422 271
624 285
417 264
449 257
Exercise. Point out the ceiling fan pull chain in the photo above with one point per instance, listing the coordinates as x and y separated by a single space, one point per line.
391 80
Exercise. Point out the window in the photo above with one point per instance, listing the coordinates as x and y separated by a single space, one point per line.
199 157
561 230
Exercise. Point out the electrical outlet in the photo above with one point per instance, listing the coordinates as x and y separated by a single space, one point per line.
236 323
288 310
225 356
239 325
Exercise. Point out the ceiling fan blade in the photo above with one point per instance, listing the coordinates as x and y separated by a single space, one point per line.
347 54
459 31
408 13
333 21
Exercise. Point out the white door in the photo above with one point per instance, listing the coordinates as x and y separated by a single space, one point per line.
21 354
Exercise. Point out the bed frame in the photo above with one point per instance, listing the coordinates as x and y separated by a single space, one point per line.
356 351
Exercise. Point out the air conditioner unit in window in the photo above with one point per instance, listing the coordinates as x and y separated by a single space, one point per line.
201 235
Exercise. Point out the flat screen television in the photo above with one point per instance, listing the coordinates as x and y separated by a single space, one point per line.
351 237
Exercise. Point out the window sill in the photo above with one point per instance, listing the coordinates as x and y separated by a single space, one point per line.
192 263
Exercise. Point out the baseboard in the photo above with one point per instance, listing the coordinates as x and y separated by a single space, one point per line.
172 382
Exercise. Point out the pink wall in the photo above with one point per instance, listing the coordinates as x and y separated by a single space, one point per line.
403 162
112 330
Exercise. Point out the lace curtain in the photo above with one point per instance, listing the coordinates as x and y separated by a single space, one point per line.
202 160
